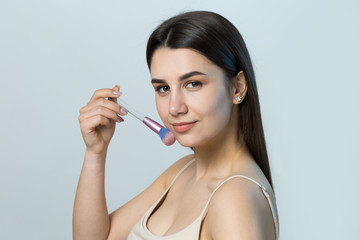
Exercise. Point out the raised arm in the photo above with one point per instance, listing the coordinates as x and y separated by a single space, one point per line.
91 219
97 122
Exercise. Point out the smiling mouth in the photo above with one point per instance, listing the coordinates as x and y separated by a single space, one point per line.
183 127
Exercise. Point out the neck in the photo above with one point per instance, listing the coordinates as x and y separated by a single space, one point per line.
221 156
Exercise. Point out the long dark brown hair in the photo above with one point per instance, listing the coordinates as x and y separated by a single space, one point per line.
218 39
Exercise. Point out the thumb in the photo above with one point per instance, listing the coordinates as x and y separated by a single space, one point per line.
115 88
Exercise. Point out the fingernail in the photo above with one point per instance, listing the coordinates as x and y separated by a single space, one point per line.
120 118
117 93
123 111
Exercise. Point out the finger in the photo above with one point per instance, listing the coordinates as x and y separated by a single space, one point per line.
104 93
123 111
116 90
94 122
101 111
120 119
104 103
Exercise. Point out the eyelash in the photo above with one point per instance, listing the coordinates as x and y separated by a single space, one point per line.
160 89
194 82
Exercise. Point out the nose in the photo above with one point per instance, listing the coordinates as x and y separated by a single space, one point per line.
177 105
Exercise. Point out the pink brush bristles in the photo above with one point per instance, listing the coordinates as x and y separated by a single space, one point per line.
166 136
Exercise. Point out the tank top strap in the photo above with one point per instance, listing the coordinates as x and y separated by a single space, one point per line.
263 190
179 173
150 210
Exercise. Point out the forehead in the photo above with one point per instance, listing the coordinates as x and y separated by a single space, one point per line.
168 62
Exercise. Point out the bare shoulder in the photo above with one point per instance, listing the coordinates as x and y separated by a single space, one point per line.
239 210
171 172
125 217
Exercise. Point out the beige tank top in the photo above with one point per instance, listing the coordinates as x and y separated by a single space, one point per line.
191 232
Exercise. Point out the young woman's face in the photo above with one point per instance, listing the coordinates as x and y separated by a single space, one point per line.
192 97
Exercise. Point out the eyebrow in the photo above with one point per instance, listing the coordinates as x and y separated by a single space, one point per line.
181 78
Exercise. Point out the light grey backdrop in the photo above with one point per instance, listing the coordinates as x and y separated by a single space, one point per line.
54 54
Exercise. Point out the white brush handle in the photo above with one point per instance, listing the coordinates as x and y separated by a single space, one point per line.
133 112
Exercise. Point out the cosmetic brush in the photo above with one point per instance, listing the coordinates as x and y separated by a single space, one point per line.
166 136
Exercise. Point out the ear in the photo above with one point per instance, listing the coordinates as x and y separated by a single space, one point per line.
239 88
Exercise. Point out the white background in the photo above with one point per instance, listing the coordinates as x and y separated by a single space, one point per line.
54 54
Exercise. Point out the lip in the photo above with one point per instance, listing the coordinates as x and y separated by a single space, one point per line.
183 126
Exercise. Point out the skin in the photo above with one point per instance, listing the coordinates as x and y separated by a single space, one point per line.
189 89
202 98
206 99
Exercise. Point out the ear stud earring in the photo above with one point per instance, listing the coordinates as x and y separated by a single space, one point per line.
238 99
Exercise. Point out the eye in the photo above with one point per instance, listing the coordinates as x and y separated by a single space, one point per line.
162 89
193 84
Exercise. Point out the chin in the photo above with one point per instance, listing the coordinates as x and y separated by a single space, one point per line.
190 141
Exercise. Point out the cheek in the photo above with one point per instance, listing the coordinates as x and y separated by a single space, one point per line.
216 107
221 111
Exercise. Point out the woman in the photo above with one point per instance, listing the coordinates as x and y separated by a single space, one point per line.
206 95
